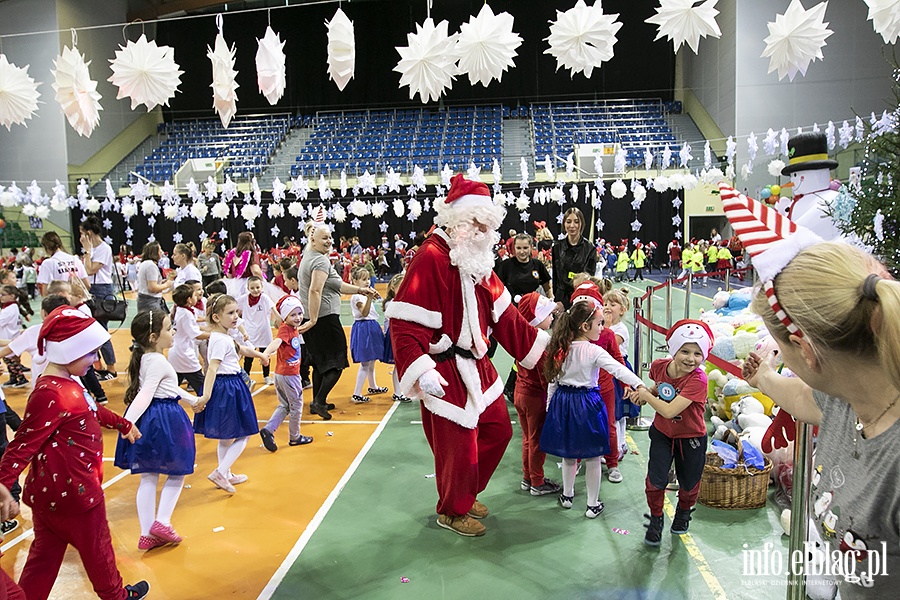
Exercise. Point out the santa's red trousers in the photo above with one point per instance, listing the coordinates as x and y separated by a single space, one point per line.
8 588
465 459
532 409
89 534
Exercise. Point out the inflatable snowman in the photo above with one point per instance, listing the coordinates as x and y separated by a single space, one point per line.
810 171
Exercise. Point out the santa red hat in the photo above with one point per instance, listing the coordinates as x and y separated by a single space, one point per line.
287 304
468 194
589 292
535 308
686 331
67 334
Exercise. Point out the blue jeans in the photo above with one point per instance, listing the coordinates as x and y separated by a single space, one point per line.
100 291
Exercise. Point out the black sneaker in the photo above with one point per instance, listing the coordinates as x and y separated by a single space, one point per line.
653 537
102 400
548 487
682 521
268 440
106 375
138 590
330 406
306 384
301 441
320 410
19 383
7 526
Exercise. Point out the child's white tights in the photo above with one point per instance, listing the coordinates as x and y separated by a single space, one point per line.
592 467
395 380
366 371
146 500
228 452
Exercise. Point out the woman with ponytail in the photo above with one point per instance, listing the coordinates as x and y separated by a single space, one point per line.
167 444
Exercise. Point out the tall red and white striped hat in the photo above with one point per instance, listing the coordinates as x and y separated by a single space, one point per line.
772 240
319 216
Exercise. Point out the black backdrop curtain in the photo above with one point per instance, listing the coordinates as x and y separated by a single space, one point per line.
655 215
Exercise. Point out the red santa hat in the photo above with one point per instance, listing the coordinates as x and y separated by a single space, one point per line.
588 292
686 331
468 194
535 308
639 245
287 304
67 334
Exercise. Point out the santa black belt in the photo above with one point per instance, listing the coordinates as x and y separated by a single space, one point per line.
449 352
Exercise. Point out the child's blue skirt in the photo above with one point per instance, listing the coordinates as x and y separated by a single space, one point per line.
166 445
388 354
624 408
576 424
366 341
230 413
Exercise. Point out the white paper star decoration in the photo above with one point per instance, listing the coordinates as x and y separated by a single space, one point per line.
18 93
796 39
76 92
427 64
270 69
618 189
582 38
341 49
486 46
223 82
146 73
885 17
681 21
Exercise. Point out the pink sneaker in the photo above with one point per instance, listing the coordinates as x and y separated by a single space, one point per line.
149 542
165 533
220 481
237 478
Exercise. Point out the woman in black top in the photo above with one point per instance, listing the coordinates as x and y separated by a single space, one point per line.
571 255
522 273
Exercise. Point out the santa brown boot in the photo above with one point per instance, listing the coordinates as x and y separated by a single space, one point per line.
464 525
478 510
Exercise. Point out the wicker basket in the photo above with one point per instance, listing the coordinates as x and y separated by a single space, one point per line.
739 488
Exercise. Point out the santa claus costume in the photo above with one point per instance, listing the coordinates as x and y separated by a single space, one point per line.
449 300
60 439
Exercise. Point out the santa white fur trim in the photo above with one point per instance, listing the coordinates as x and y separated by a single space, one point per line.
773 260
500 305
405 311
441 345
470 332
476 403
537 349
416 369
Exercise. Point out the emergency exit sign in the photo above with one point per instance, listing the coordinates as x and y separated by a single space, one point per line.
710 209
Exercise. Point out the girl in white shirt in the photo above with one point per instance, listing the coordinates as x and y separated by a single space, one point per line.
366 338
576 425
10 327
615 303
183 355
186 269
59 265
166 446
230 415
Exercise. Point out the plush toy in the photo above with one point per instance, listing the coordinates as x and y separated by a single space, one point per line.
720 300
735 388
767 349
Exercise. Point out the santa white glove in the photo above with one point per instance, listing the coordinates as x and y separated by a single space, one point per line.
431 383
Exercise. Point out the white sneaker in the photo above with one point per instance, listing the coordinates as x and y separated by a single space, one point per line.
270 380
614 475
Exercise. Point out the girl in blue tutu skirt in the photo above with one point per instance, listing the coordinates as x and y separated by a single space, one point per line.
166 446
388 357
576 426
366 338
230 415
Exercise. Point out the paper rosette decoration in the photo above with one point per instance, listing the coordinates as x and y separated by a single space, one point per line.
582 38
486 46
76 92
796 39
681 21
341 49
146 73
223 83
885 17
270 69
427 64
18 93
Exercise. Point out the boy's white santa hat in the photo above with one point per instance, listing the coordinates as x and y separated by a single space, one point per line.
287 304
67 334
688 331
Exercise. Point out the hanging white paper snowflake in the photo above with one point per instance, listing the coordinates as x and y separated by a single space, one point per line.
146 73
640 193
76 92
366 182
618 189
636 225
41 212
399 209
795 39
18 93
295 209
681 21
885 17
270 66
250 212
415 208
418 178
339 213
220 210
582 38
775 167
149 207
392 180
522 202
359 208
199 210
300 188
223 84
427 64
486 46
129 209
378 209
341 49
684 155
170 211
275 210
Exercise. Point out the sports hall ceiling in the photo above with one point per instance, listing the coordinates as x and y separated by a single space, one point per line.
157 9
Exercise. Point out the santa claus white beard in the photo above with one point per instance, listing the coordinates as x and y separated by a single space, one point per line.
472 250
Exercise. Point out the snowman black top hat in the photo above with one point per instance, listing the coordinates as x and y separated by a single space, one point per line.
807 151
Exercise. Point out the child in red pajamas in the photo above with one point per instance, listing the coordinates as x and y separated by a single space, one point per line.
60 439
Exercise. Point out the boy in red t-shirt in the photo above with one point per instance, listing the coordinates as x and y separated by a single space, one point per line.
288 385
678 432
